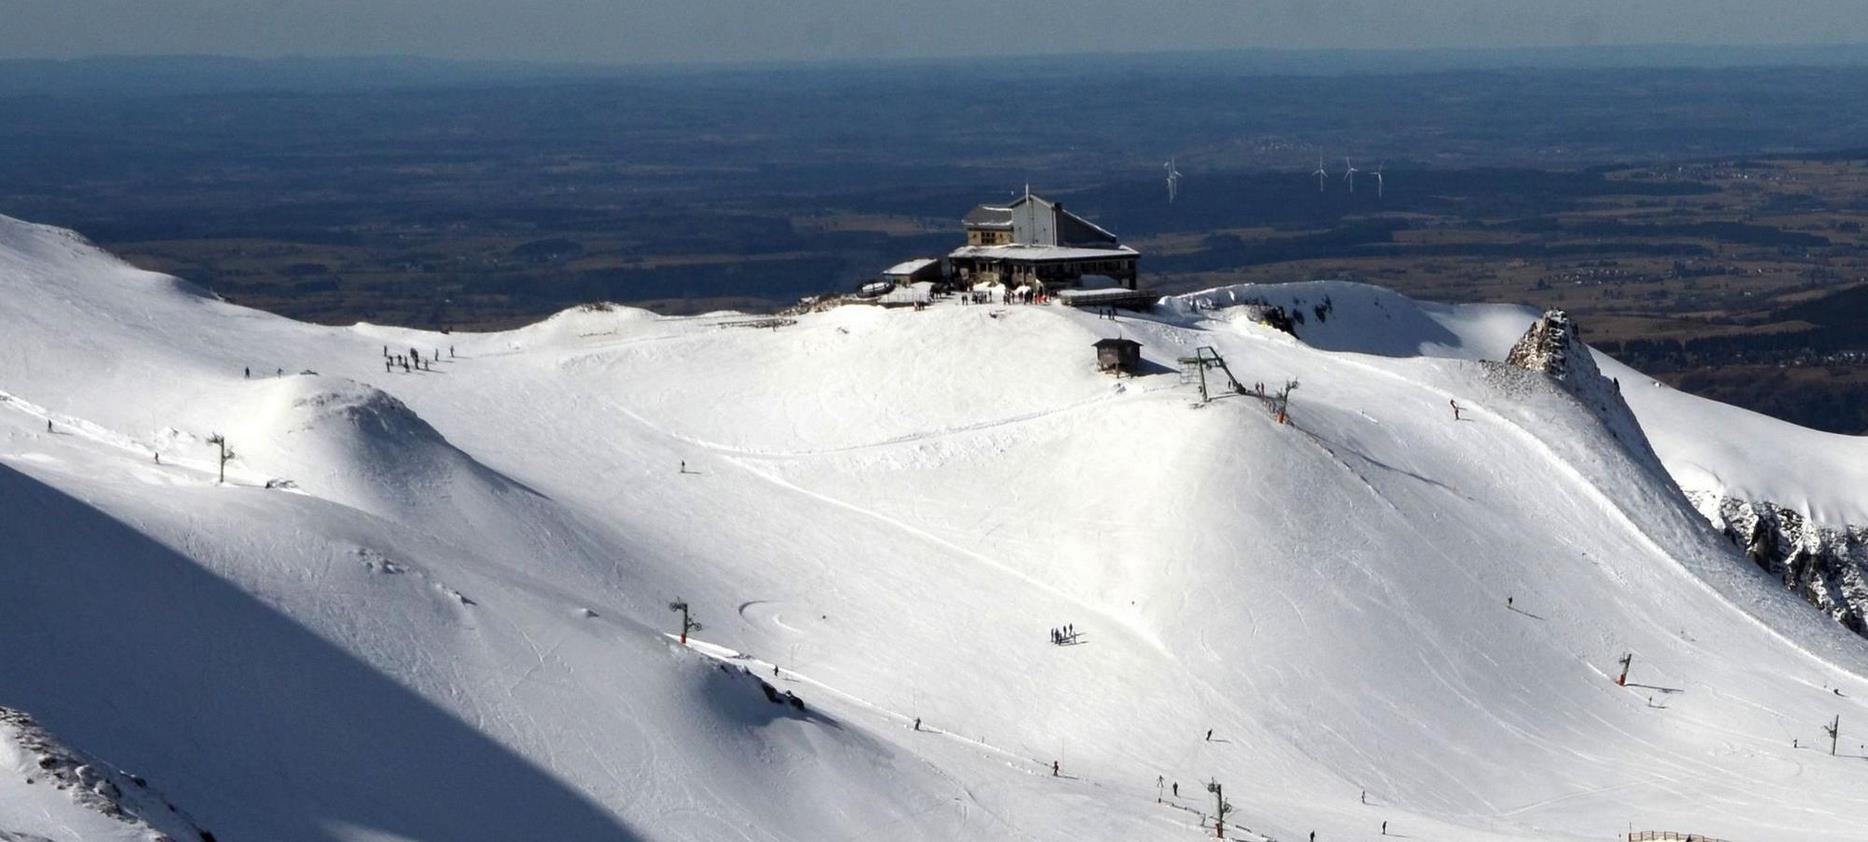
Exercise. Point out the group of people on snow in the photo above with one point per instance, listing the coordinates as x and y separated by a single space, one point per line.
413 361
1063 635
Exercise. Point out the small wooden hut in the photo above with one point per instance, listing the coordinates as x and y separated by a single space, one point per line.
1118 355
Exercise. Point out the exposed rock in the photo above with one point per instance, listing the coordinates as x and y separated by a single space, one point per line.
1828 567
1552 347
91 785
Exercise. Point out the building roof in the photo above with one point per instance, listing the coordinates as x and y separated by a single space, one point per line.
1059 225
989 216
1116 343
909 267
1037 253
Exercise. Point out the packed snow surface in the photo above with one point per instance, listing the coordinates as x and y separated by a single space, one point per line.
436 605
1708 446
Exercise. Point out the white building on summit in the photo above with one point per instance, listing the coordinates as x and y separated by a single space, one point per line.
1035 242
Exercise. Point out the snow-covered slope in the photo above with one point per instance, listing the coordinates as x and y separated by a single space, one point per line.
49 789
1708 446
450 624
1794 500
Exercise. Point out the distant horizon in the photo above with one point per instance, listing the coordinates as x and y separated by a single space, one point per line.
217 71
1746 53
704 32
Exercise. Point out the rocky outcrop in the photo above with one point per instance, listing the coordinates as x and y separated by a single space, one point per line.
1553 348
41 760
1827 566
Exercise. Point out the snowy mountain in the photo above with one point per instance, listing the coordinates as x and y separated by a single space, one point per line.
435 604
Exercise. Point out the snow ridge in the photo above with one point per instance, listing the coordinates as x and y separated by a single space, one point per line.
48 790
1552 347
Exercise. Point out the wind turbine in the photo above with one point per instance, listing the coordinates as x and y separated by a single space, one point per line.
1350 175
1321 174
1378 178
1173 180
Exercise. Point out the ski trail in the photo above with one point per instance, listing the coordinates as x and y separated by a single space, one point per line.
909 438
1028 765
943 543
1607 503
732 656
98 434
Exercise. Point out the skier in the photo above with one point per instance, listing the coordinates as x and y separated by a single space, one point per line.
1053 768
684 466
1508 602
48 425
248 372
385 365
1455 409
1177 789
1209 735
450 352
1384 828
917 723
158 458
1365 796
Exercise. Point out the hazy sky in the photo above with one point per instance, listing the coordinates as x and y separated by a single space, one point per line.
631 31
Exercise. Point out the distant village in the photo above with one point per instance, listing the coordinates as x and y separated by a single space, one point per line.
1030 250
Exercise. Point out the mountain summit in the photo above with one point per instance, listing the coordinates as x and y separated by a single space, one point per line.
1552 347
